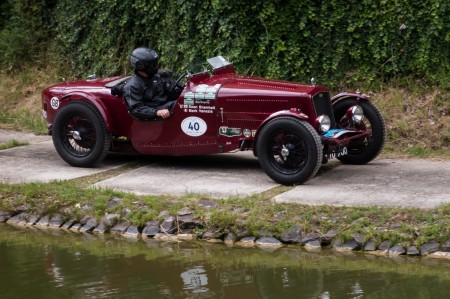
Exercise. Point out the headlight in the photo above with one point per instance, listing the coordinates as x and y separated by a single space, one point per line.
324 123
356 113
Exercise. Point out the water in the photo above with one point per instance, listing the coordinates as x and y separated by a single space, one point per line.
58 264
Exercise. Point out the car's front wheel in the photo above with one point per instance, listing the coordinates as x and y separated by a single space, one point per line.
289 150
363 150
79 134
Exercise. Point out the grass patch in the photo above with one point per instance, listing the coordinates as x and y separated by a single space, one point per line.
12 143
254 215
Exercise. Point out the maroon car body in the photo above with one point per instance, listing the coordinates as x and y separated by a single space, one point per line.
219 111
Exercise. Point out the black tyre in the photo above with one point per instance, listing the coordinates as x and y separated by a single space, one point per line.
289 150
79 135
366 149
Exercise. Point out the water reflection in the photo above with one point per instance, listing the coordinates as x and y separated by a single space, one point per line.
41 265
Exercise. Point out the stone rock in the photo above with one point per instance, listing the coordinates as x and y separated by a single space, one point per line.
184 211
313 245
412 250
395 226
397 250
445 246
310 237
56 221
371 245
76 227
151 228
329 236
90 225
359 238
17 218
186 237
246 242
242 233
112 203
384 246
120 227
429 247
268 242
168 225
188 221
132 232
230 238
106 223
43 222
206 204
69 224
32 219
101 228
440 255
348 246
211 234
5 216
165 237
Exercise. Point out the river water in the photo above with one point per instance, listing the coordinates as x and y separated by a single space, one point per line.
59 264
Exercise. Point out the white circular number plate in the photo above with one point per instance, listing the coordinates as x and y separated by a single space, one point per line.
193 126
54 102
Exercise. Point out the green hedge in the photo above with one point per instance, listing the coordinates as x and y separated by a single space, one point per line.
333 40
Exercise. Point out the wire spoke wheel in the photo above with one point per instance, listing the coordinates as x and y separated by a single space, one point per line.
362 150
79 134
289 150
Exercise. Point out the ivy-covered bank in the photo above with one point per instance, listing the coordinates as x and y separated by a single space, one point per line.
338 41
251 221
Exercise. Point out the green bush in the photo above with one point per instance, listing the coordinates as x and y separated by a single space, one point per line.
337 41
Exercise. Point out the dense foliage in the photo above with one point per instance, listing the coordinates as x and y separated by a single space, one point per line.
334 40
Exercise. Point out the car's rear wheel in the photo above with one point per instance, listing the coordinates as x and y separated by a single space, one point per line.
79 135
289 150
366 149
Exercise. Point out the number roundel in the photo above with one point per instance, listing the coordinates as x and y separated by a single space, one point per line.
193 126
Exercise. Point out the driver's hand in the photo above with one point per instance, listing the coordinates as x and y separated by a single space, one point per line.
164 113
165 73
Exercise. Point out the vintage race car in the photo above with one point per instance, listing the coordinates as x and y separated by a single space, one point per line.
291 128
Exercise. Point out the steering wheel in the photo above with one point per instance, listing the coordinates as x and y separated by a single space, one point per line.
181 77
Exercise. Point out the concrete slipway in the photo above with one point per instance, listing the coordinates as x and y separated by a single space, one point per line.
386 182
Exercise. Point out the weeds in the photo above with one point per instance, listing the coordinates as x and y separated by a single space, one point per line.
12 143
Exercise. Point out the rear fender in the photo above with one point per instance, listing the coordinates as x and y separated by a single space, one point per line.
348 95
81 96
291 113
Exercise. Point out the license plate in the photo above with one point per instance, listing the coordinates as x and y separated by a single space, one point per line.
341 152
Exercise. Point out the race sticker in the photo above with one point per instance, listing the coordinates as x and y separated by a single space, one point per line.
193 126
229 132
54 102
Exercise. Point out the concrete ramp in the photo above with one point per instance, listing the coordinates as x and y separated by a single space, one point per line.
383 182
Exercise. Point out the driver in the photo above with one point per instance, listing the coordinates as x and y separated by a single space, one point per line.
150 94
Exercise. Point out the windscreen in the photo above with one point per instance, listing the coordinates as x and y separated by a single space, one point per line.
218 62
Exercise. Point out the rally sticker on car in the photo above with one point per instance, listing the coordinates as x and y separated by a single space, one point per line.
193 126
54 102
202 94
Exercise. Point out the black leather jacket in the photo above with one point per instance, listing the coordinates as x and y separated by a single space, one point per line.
145 96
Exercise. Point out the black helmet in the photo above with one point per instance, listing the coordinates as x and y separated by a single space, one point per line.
145 59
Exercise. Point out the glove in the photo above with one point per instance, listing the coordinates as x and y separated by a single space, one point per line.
165 73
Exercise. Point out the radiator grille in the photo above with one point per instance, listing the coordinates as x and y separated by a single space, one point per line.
322 105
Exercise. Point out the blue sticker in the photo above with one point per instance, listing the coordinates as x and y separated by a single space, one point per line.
333 132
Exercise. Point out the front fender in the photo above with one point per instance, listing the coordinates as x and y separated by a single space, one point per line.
291 113
345 95
89 98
